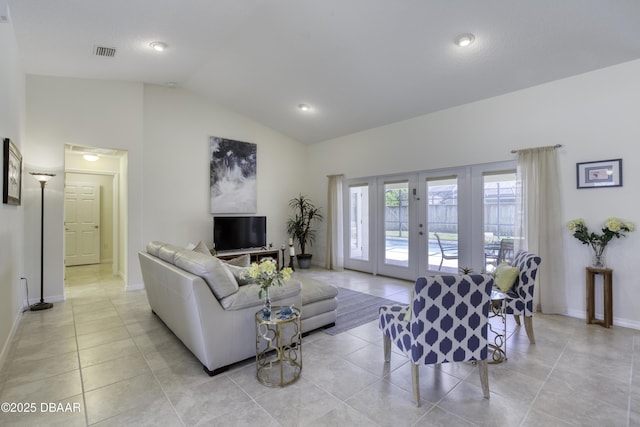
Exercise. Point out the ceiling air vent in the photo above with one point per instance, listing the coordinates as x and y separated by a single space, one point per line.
105 51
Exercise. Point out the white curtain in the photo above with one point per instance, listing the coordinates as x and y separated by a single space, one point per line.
335 257
541 227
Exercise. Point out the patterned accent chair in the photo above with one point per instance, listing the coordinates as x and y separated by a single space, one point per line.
519 299
446 322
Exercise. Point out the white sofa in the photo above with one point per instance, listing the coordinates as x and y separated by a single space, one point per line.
198 297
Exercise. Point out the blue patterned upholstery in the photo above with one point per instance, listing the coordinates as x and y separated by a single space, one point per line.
520 298
447 322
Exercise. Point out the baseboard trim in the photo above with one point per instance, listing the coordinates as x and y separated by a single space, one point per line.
10 338
135 287
625 323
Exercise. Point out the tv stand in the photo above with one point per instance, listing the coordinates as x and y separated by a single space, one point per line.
255 254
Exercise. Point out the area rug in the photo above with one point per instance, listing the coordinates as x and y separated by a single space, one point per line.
355 309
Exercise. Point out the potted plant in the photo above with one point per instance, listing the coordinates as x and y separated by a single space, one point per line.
300 226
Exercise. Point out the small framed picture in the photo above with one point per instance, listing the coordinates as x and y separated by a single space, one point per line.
12 174
604 173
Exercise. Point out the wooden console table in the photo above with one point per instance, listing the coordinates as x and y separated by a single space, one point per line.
607 282
256 254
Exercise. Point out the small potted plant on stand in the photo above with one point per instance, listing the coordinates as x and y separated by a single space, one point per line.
300 226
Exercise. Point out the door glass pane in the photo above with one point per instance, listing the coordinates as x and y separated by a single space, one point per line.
499 217
396 223
359 222
442 224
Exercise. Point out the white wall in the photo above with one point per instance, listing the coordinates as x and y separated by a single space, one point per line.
176 194
12 102
78 112
165 133
594 116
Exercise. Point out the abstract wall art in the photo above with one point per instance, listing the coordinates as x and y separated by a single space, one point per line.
233 179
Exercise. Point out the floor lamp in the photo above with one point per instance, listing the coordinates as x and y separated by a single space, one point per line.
42 179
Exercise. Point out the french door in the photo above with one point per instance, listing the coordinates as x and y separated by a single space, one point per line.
430 222
396 228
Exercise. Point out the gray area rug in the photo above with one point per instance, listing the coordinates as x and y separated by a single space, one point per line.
355 309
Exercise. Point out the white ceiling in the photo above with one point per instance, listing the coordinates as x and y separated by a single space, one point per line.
358 63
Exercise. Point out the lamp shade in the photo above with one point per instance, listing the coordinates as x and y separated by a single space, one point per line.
42 177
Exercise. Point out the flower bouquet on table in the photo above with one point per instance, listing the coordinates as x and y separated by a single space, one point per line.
613 227
266 274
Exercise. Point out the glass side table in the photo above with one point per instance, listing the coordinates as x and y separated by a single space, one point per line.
497 310
278 346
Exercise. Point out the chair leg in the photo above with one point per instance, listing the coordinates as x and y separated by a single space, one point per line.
441 261
528 326
517 319
484 377
386 341
415 379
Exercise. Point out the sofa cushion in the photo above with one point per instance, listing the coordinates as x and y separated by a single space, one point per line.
247 296
167 253
153 248
211 269
315 290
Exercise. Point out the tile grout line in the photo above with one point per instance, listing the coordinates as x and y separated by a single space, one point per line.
75 334
533 401
251 398
153 373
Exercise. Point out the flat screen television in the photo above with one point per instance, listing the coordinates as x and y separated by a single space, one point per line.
239 232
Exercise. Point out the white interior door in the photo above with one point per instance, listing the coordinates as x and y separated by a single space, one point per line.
82 223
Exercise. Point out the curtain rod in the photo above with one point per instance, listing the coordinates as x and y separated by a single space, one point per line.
555 146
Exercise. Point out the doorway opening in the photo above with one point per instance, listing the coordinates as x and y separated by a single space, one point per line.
95 212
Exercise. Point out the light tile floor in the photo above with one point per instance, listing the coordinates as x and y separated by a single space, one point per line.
105 358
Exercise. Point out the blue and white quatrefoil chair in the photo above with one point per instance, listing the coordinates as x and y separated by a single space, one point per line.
445 322
520 298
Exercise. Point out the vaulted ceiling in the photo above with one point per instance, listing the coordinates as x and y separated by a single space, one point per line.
358 64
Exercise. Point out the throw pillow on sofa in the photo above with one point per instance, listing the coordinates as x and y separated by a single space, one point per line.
241 261
237 266
211 269
202 248
240 274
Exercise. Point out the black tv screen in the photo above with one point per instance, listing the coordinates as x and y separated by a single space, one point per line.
239 232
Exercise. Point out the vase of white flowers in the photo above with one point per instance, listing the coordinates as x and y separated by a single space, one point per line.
613 227
266 274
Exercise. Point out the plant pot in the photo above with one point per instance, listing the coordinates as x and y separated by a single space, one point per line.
304 260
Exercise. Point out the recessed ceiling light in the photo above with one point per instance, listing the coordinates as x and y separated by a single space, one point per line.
91 157
158 46
464 40
304 107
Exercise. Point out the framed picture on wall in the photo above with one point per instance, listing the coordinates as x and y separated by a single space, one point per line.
12 174
232 179
603 173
